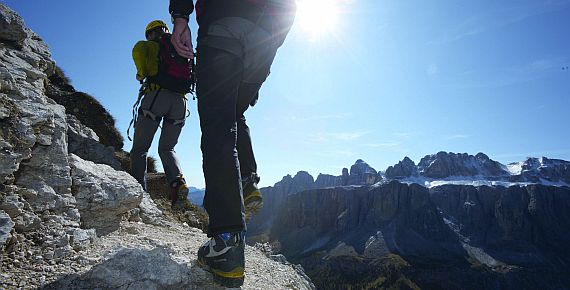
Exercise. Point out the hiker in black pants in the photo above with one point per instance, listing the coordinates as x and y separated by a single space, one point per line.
237 42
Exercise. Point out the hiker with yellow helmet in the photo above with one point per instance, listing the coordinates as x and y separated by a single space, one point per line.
166 78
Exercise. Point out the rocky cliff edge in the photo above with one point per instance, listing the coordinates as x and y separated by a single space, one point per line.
69 217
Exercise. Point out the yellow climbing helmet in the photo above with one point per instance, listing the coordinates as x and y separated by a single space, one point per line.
154 24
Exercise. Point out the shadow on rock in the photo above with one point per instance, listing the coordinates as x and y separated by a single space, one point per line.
138 269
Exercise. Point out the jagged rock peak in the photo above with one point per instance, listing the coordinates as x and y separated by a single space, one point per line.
362 174
304 177
12 28
327 180
360 166
404 168
444 164
533 163
535 169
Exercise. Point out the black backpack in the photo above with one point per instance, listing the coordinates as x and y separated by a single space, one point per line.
174 72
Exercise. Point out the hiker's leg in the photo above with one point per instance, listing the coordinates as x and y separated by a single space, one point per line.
259 52
171 129
219 76
247 94
149 115
145 128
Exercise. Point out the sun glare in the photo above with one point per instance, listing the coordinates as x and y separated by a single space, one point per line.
317 17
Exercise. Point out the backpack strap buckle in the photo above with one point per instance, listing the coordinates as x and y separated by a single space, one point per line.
175 122
151 115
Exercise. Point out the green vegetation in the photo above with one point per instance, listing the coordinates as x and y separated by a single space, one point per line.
389 272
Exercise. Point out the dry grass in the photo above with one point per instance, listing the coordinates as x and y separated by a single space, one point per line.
85 107
193 215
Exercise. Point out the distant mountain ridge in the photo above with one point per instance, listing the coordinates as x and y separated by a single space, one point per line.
453 221
196 195
444 165
432 170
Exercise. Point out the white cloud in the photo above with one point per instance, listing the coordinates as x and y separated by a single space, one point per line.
347 136
457 136
341 152
404 135
383 144
340 116
337 136
493 19
504 76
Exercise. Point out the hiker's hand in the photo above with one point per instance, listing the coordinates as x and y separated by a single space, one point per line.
182 38
139 77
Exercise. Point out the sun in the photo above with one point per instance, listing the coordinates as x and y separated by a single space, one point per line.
317 17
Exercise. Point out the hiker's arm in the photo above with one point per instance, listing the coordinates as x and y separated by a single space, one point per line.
181 35
181 8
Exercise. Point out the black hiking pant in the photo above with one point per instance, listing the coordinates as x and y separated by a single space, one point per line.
234 57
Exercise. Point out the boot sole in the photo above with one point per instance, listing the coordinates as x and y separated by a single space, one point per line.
231 279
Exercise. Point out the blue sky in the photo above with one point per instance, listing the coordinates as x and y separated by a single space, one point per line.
390 79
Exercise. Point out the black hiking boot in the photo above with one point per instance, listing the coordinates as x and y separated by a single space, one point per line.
223 256
252 199
179 194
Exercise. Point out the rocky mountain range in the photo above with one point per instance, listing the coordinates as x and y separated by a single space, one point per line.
454 221
70 214
450 166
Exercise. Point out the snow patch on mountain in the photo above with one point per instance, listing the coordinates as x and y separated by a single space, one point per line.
514 168
459 180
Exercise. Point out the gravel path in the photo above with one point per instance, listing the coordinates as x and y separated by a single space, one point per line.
181 242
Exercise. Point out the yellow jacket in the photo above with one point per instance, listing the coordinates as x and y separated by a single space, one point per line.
145 55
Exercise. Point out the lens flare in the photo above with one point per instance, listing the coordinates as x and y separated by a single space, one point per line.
317 17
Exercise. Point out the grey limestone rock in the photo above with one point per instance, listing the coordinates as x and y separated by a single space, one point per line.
132 269
12 26
149 212
404 168
6 226
345 176
47 172
444 164
342 250
27 222
280 258
362 174
84 143
12 205
274 197
319 218
80 238
303 179
554 170
103 194
376 246
327 180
